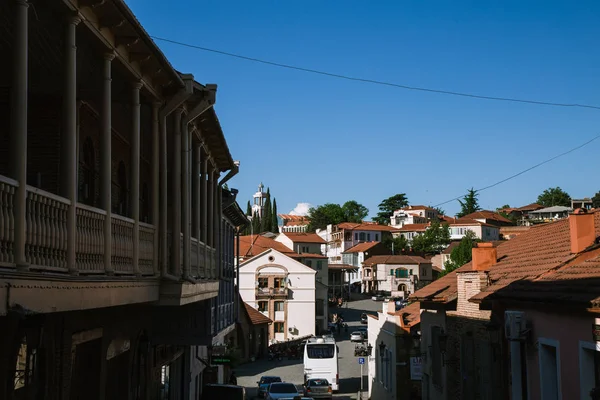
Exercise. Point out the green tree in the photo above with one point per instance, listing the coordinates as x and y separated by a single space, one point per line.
503 207
388 206
266 218
256 225
462 253
275 222
354 211
596 200
397 245
554 197
321 216
440 211
249 209
469 204
435 238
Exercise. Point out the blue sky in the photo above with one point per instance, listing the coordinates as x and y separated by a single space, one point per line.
317 139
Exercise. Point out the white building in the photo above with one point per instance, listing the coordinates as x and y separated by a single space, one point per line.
293 223
356 255
259 201
401 275
403 217
482 231
308 246
342 237
285 290
395 361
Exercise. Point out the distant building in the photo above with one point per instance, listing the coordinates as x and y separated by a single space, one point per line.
259 202
284 290
490 217
549 214
586 203
293 223
401 275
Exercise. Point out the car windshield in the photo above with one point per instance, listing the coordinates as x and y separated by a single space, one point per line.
356 333
283 388
269 379
320 350
318 382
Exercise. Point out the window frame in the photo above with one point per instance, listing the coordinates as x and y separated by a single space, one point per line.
279 323
584 346
550 343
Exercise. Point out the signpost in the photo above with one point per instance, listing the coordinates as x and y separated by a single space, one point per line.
361 361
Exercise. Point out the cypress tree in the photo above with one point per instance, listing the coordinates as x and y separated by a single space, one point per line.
266 217
249 208
275 224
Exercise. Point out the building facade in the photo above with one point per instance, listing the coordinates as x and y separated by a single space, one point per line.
284 290
115 259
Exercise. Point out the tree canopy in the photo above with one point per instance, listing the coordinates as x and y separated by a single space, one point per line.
554 197
331 213
354 211
397 245
461 254
435 238
469 204
388 206
596 200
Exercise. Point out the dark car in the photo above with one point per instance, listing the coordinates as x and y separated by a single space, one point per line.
318 389
263 384
233 392
363 318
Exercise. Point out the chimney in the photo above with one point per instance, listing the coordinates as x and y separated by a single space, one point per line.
484 256
583 232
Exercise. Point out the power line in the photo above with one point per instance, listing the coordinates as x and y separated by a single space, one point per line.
524 171
373 81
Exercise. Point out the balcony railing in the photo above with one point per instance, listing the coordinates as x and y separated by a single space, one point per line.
271 292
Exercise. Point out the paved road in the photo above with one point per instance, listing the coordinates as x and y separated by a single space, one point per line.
292 370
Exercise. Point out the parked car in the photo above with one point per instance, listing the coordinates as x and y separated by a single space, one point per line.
378 297
357 336
364 331
363 318
264 382
318 389
282 390
214 391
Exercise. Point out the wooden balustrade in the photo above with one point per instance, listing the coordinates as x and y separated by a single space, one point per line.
7 220
46 227
146 249
122 244
90 239
197 259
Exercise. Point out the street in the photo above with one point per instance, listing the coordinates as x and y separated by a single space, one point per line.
292 370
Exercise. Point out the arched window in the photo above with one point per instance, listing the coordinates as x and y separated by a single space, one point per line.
87 177
402 288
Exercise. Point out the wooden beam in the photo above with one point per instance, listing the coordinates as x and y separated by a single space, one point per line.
91 3
126 41
111 22
138 57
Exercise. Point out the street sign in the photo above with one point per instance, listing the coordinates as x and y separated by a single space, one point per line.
361 360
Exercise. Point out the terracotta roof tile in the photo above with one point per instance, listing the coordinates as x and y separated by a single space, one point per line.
413 228
307 255
302 237
252 245
364 226
419 207
441 290
256 317
395 259
412 313
361 247
486 214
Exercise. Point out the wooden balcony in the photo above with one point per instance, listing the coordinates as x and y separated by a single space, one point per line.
271 292
46 283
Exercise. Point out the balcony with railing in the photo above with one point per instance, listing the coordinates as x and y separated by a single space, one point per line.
47 257
265 292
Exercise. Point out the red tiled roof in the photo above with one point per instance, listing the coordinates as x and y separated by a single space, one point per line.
395 259
290 217
486 214
451 247
252 245
463 221
361 247
413 228
441 290
419 207
302 237
364 226
412 313
256 317
542 254
530 207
